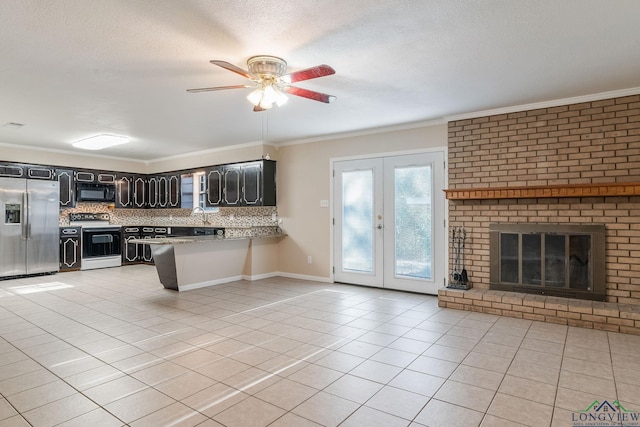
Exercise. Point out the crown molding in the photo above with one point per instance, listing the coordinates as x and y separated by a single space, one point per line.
545 104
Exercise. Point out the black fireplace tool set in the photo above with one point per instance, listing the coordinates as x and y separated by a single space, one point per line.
459 278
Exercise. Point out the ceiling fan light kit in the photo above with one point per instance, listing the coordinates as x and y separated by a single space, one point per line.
271 83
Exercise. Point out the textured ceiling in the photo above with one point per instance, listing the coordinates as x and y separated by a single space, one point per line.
73 68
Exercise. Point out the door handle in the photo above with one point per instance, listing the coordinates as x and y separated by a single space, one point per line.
379 227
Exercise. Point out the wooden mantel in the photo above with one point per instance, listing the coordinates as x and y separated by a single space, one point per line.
545 191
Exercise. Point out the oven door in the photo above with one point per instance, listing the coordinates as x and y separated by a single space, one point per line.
101 242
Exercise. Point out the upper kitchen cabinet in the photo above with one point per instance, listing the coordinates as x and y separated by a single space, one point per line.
124 190
214 179
259 183
66 178
163 191
19 170
95 177
241 184
232 185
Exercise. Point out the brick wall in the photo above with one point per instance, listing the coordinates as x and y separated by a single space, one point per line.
591 142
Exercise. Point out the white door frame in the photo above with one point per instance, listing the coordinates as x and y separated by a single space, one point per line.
445 207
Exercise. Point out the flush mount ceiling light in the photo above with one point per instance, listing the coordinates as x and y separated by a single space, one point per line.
99 142
271 83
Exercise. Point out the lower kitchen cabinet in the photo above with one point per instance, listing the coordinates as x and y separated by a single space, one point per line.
131 252
70 248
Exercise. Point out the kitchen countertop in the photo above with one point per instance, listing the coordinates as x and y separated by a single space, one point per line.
196 239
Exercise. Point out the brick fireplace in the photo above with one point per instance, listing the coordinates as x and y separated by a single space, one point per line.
575 164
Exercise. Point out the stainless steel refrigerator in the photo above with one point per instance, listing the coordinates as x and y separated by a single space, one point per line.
29 233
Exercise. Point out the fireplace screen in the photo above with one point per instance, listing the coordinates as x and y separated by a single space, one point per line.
560 260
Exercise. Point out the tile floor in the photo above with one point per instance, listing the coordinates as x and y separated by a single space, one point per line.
111 348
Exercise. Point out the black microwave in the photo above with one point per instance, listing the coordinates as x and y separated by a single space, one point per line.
86 192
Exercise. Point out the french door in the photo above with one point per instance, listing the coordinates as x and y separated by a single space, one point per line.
389 226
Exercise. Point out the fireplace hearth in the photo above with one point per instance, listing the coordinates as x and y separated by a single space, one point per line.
548 259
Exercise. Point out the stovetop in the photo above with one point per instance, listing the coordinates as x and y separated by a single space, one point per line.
88 220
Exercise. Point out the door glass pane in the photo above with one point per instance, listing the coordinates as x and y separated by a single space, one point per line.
357 221
413 247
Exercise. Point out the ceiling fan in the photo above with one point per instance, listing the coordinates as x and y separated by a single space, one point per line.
271 83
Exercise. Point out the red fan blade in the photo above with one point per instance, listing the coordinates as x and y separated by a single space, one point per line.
210 89
305 93
233 68
309 73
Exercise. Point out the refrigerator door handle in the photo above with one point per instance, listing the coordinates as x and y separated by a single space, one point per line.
23 217
27 208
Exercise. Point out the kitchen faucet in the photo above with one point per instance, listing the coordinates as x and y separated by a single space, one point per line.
200 209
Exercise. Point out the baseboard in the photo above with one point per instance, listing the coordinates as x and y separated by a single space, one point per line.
303 277
199 285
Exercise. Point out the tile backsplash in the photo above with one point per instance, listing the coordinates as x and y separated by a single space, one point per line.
240 217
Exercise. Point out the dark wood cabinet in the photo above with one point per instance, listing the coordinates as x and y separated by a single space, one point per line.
70 248
95 176
259 183
40 172
11 170
173 190
214 178
66 179
139 192
232 185
124 190
131 252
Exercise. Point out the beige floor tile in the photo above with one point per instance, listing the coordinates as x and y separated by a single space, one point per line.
534 372
562 418
502 338
25 382
574 400
251 380
548 360
93 377
98 418
360 349
286 394
478 377
601 357
215 399
222 369
326 409
138 362
184 385
376 371
59 411
600 370
493 421
417 382
528 389
138 405
629 393
176 414
465 395
558 338
339 361
41 395
16 369
409 345
457 342
543 346
450 354
6 410
587 383
398 402
395 357
159 373
466 332
15 421
353 388
433 366
485 361
315 376
442 414
291 420
493 349
114 390
520 410
370 417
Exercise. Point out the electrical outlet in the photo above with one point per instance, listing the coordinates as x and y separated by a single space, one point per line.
309 260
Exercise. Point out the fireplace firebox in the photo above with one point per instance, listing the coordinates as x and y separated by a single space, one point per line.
548 259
